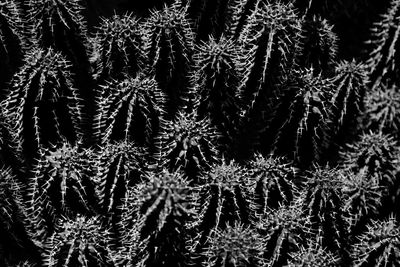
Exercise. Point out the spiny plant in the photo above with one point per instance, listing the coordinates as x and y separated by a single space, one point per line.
284 229
43 103
224 198
274 182
126 106
350 83
169 47
384 46
15 241
379 245
236 245
271 39
323 203
319 45
217 74
119 166
189 144
59 24
11 42
166 204
382 112
118 47
60 185
302 120
79 242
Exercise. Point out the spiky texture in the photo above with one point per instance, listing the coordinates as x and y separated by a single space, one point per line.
319 46
118 48
129 110
274 182
11 42
302 120
323 203
217 75
119 166
383 56
43 103
383 110
15 243
79 242
285 229
169 46
60 186
236 245
379 246
189 144
167 210
59 24
271 38
224 198
350 84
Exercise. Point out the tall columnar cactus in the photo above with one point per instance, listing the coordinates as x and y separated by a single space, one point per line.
284 229
225 198
169 47
118 47
379 246
11 42
382 110
350 82
383 60
274 182
79 242
60 186
302 120
59 24
129 110
217 74
319 45
119 166
236 245
323 203
166 204
15 243
189 144
43 103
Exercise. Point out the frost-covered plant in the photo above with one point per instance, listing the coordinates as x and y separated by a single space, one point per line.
118 48
189 144
129 110
43 103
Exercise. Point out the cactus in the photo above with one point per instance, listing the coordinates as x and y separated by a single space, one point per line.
319 46
167 210
323 203
379 246
302 120
43 103
118 48
383 111
11 42
383 58
126 106
119 166
224 198
60 186
169 46
217 74
15 244
79 242
189 144
284 229
235 246
274 182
